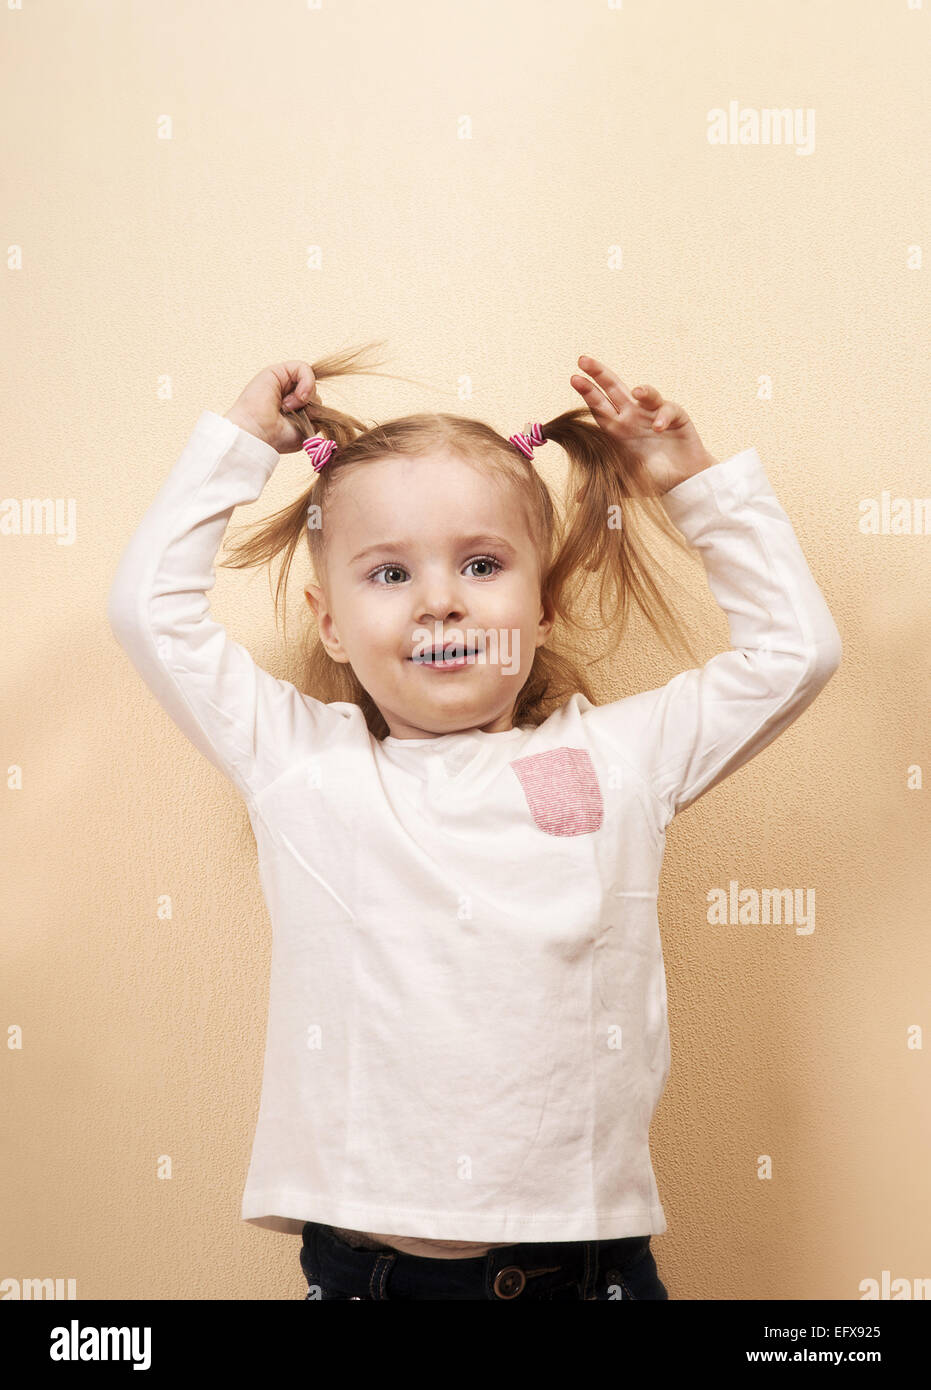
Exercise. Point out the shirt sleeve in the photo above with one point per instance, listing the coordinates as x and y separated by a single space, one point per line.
246 722
688 735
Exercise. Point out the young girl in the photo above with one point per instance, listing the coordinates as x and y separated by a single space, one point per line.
460 851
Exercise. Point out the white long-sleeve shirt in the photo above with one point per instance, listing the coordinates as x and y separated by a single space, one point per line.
467 1030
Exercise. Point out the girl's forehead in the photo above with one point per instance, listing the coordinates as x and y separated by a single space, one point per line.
433 460
429 479
428 498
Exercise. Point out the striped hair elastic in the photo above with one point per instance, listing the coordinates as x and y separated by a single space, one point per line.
528 442
319 449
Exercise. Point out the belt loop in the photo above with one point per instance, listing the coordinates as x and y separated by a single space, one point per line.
381 1270
590 1271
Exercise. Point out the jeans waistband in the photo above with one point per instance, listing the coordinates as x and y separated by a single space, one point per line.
502 1270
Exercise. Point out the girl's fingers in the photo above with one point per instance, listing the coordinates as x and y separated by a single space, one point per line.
608 382
648 396
597 402
609 398
669 414
297 379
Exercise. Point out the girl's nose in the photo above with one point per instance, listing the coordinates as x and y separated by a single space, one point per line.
437 612
438 600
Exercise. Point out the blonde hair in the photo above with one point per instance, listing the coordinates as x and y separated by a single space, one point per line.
603 473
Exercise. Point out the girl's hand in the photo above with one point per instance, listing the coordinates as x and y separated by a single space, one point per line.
659 432
286 386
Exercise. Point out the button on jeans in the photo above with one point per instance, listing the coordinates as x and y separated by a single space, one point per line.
562 1271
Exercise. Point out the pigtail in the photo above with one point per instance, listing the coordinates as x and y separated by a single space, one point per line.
610 494
282 532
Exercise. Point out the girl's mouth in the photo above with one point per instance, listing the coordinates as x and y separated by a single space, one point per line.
436 661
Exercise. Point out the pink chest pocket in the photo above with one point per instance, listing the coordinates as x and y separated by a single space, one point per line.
562 790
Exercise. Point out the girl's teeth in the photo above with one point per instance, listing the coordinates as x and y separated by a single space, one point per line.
443 660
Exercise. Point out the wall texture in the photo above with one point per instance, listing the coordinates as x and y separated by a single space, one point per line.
194 192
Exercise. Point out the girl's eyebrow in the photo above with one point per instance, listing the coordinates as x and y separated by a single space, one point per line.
462 543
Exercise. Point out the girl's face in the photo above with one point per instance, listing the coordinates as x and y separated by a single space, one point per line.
427 553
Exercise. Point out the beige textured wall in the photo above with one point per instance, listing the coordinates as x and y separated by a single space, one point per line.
494 188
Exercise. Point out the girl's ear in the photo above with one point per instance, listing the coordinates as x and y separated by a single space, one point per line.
312 595
547 617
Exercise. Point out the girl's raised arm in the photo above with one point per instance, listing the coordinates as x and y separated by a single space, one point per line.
688 735
249 724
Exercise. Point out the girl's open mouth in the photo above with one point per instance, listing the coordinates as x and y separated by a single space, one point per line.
436 661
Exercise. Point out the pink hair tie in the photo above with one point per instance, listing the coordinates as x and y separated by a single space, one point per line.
318 449
528 442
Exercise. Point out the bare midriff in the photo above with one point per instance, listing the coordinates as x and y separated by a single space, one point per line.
417 1245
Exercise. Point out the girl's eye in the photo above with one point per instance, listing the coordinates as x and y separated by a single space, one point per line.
486 560
479 560
384 569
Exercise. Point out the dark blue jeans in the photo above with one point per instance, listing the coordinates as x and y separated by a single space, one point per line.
563 1271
